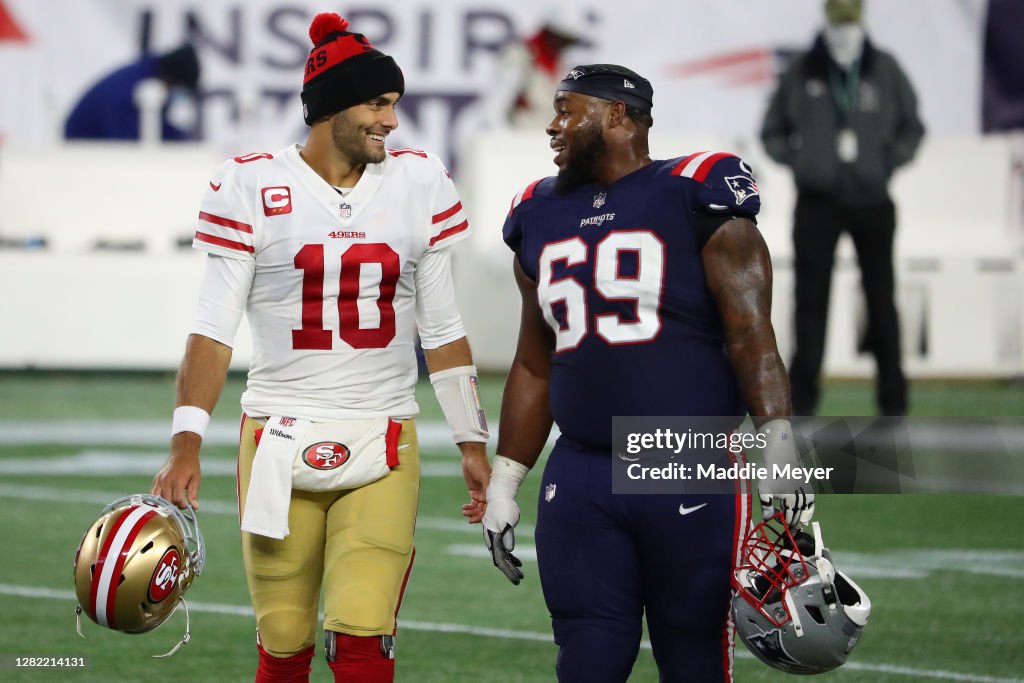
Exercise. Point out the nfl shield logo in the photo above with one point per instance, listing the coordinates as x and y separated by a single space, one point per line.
346 210
549 492
599 199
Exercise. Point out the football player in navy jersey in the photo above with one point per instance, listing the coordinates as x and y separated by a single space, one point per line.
646 290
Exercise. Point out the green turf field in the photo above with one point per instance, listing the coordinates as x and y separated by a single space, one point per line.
945 573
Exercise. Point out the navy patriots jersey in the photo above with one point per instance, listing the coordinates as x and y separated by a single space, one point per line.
620 281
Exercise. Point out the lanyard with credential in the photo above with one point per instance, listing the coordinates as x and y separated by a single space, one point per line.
844 90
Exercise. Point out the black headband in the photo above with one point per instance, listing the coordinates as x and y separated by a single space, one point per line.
610 82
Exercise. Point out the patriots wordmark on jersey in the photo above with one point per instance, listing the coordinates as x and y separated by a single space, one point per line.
333 299
621 283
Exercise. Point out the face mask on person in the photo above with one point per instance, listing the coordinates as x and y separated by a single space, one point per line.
845 43
181 108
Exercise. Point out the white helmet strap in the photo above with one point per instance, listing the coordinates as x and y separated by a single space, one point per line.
184 639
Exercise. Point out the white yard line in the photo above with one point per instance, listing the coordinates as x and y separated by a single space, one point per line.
94 462
40 592
52 494
432 434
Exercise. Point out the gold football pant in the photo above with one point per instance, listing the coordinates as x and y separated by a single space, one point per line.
358 544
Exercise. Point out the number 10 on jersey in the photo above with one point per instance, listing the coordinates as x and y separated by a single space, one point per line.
312 335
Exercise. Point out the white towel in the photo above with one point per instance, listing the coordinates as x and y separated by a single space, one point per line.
270 484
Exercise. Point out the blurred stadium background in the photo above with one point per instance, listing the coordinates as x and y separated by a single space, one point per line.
98 293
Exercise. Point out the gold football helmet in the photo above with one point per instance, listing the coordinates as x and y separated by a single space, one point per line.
135 563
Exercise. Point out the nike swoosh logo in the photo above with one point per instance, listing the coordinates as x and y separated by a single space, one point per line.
683 510
216 187
403 445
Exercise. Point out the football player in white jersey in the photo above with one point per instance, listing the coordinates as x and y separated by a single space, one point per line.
338 251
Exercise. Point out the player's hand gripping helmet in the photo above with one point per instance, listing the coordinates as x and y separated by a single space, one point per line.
136 562
793 609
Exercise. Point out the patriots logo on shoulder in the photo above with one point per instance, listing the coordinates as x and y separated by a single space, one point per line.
743 187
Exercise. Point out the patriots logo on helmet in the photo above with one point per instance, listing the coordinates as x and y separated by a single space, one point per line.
743 187
769 644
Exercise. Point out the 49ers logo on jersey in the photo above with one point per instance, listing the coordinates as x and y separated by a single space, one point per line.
326 455
165 578
276 200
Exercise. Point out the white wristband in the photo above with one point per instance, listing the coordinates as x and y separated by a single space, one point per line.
506 476
456 390
190 419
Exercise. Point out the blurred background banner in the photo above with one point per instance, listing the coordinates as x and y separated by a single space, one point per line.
108 256
712 64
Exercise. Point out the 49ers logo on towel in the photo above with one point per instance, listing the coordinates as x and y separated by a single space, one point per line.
326 455
165 578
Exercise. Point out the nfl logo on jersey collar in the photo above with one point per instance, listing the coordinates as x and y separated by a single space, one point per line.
599 199
345 209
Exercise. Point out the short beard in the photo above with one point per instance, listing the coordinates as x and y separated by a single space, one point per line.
352 143
583 163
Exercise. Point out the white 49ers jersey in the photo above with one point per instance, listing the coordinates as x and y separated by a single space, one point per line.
332 303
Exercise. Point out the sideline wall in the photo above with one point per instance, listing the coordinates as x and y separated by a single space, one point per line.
130 304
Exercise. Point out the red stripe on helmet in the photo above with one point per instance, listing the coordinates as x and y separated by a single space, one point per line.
101 559
122 557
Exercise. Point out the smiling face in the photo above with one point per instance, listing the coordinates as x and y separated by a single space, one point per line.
577 138
359 132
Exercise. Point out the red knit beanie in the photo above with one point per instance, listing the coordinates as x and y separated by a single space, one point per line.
344 69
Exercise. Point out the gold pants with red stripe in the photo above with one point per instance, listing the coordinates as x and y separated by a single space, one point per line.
357 544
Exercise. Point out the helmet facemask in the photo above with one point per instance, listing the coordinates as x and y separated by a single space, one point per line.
792 608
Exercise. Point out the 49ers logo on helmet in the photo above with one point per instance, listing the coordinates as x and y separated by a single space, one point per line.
326 455
165 578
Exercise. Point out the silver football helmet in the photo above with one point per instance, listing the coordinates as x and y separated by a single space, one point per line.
135 563
793 609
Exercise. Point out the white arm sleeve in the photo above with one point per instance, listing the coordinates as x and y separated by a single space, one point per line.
222 297
437 316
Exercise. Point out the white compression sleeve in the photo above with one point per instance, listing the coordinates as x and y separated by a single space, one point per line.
222 297
437 316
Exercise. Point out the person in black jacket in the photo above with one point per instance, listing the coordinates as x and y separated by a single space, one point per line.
843 118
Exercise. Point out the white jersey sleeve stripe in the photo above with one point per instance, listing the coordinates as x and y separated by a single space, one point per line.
694 164
448 232
447 213
225 222
221 242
